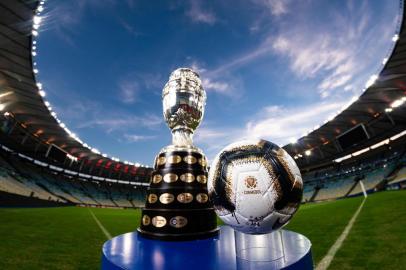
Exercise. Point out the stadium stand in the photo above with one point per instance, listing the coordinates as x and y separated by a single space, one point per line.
41 159
21 177
344 180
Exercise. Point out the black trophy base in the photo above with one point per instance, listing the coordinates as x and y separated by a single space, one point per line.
178 224
177 206
180 236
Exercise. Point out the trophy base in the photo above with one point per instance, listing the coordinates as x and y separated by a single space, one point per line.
180 236
177 205
134 251
198 224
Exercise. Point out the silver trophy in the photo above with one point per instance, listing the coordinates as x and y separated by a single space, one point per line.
183 99
177 205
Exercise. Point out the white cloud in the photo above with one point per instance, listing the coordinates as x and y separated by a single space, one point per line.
274 123
65 16
128 27
197 14
263 49
334 55
278 124
216 86
128 91
136 138
212 83
112 123
275 7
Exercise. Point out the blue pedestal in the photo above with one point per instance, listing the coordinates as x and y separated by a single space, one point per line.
132 251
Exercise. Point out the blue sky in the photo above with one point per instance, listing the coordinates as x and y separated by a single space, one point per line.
272 69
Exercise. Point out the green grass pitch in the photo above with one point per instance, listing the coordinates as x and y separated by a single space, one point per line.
69 238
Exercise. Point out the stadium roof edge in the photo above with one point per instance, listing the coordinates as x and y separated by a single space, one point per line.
22 97
380 109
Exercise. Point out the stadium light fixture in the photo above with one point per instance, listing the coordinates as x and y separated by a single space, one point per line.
371 80
397 136
35 70
353 99
380 144
6 114
395 38
37 19
384 60
338 160
397 103
34 33
360 152
308 152
388 109
42 93
293 140
6 94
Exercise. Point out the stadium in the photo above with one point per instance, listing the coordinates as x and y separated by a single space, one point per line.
61 199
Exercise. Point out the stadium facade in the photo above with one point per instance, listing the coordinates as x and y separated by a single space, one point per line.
42 162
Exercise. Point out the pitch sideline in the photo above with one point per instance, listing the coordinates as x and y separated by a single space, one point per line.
104 230
328 258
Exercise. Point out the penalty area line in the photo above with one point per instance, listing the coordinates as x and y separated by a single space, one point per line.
325 262
104 230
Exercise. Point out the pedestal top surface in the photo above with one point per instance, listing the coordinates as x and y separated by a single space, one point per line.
132 251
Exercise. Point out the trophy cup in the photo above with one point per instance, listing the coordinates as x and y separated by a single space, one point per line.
177 204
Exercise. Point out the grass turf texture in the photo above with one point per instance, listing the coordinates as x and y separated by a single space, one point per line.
69 238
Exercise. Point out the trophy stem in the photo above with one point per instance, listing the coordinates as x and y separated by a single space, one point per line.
182 137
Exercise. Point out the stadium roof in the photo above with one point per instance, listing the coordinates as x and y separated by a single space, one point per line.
22 97
380 108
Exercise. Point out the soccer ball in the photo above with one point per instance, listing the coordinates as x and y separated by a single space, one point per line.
255 186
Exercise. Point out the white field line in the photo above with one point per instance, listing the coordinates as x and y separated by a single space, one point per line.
325 262
106 233
363 189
